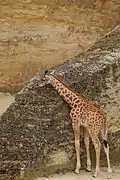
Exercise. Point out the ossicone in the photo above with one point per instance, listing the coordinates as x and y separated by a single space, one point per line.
46 71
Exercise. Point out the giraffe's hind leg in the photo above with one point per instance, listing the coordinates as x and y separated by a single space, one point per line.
97 146
106 148
87 143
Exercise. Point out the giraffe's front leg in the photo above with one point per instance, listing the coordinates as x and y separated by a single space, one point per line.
77 148
87 143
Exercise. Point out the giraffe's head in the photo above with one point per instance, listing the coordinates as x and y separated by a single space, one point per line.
50 77
46 78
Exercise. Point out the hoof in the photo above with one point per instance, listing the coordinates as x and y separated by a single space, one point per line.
109 173
88 170
109 177
77 171
94 176
97 171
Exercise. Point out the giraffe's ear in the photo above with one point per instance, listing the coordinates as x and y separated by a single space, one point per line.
53 72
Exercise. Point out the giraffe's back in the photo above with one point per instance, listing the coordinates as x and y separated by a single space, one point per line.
88 115
92 116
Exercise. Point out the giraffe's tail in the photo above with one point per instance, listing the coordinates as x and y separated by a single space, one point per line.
104 132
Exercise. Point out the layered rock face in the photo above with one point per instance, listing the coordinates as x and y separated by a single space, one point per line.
36 132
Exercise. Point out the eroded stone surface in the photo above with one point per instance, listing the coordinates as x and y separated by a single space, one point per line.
37 125
35 35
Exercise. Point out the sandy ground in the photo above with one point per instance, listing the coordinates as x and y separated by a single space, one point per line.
6 100
83 176
36 35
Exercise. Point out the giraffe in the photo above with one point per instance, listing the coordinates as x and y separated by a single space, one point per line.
84 114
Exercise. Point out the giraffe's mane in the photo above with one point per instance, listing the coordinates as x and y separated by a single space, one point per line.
68 87
78 94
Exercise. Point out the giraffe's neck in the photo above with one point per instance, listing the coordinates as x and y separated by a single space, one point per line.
68 95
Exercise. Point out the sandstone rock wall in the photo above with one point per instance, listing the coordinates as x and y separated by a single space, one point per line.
36 132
